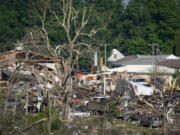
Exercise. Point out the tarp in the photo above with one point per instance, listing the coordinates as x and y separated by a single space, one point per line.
124 88
79 75
90 78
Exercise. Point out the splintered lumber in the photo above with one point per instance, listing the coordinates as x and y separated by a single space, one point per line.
9 58
4 82
4 85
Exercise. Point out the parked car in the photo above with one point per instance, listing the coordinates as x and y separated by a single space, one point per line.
151 121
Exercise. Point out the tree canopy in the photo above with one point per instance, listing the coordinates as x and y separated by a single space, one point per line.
127 27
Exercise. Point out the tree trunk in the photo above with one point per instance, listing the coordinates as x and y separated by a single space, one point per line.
77 65
49 116
6 102
27 102
164 125
64 107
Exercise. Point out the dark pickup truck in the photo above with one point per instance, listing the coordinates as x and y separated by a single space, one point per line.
151 121
98 105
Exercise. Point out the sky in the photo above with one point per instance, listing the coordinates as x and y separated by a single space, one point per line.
126 1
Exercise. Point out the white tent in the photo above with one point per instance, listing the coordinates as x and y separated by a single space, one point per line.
172 57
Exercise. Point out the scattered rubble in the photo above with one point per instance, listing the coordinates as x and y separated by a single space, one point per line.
113 95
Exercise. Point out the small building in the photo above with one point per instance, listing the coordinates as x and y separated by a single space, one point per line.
170 63
147 65
116 55
146 60
146 71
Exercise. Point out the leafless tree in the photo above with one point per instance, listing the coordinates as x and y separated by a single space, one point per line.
73 22
65 55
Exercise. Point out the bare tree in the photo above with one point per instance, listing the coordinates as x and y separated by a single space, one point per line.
73 22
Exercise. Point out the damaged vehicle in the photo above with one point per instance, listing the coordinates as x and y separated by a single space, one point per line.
141 81
151 121
13 103
132 89
98 105
142 90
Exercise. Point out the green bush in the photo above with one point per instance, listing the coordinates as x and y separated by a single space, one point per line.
176 75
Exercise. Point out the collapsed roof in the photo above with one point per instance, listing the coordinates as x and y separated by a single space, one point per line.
12 57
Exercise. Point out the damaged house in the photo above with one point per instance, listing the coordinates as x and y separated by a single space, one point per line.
23 66
27 72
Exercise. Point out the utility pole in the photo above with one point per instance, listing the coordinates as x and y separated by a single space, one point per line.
153 46
104 85
105 55
105 46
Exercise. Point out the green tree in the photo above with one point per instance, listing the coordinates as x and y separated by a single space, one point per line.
177 43
13 22
165 14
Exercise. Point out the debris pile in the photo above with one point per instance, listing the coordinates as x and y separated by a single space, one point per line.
113 95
